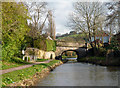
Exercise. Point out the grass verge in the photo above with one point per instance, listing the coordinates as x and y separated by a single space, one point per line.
64 57
26 73
6 64
41 60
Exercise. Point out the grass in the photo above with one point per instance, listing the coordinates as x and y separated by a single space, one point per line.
41 60
6 64
75 38
74 35
64 57
26 73
10 64
97 58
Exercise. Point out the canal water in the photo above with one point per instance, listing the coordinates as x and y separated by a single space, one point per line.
81 74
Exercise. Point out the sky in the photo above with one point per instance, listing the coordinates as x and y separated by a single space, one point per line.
61 10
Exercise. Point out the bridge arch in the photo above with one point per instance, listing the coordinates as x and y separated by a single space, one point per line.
81 52
77 53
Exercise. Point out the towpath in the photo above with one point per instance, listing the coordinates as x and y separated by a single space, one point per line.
22 67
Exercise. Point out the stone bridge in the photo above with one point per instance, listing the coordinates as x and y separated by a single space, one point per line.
63 46
60 49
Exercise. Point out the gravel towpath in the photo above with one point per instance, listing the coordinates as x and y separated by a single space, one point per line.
22 67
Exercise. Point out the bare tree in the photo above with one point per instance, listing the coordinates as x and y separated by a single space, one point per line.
85 18
101 27
51 24
38 15
113 17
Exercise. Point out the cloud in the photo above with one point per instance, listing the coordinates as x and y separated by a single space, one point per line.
62 9
61 29
61 13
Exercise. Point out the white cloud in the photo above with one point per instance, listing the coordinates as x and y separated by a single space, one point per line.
61 13
61 29
62 9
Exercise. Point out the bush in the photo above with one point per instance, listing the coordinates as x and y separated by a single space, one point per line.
114 44
17 60
40 43
29 41
51 45
102 52
117 53
90 52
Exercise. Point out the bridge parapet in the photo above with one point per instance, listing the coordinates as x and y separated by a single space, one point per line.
67 44
59 49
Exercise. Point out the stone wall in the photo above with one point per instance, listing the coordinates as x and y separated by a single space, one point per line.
49 55
59 50
39 53
68 44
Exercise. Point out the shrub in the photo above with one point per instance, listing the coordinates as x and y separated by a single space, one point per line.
102 52
117 53
51 45
40 43
17 60
29 41
28 58
114 44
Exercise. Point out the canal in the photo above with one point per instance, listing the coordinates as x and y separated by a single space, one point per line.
73 73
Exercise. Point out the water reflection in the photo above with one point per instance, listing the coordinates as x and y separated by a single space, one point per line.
79 74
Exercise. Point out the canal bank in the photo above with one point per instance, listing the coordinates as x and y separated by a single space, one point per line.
103 61
29 76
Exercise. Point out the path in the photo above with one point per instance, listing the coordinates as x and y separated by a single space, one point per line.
21 67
